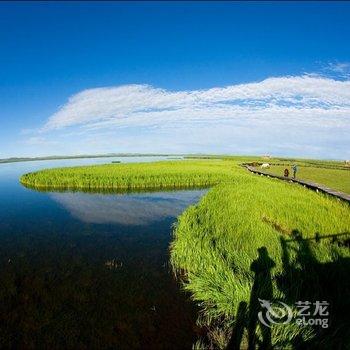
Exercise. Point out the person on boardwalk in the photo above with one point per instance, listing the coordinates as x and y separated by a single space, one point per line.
295 169
286 172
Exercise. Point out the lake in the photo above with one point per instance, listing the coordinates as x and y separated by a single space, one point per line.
86 270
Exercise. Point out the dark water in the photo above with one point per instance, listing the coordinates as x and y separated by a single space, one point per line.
89 271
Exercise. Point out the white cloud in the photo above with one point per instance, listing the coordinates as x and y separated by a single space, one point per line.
340 69
283 114
39 141
297 97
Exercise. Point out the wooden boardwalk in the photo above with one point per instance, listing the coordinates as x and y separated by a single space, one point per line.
314 186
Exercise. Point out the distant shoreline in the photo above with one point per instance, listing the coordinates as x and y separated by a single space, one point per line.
31 159
188 156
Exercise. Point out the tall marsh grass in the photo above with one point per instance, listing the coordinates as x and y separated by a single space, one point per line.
164 174
255 220
250 237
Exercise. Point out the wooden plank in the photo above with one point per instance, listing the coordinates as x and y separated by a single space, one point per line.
312 185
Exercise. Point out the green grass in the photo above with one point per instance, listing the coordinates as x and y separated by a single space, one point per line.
334 164
164 174
217 241
225 247
338 179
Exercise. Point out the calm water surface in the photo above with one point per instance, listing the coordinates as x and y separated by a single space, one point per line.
81 270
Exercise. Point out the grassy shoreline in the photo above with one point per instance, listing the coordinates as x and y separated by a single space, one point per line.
194 171
243 224
260 222
162 174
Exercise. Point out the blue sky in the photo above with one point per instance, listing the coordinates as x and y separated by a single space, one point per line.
210 77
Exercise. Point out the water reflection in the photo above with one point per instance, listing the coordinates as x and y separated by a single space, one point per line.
83 270
126 209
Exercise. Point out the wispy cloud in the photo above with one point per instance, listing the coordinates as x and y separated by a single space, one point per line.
339 69
283 114
39 141
297 97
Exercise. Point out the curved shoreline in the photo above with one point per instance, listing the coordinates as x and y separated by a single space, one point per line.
225 229
156 175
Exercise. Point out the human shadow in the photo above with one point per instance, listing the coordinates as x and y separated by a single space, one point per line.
262 289
247 317
305 278
238 329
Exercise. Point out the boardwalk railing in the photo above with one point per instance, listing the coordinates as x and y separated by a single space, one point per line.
314 186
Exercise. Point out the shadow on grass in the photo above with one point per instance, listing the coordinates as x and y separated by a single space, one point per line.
303 278
247 317
240 324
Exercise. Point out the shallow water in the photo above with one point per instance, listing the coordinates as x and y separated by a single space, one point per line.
84 270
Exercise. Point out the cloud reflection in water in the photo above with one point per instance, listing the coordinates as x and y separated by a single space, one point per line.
127 209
